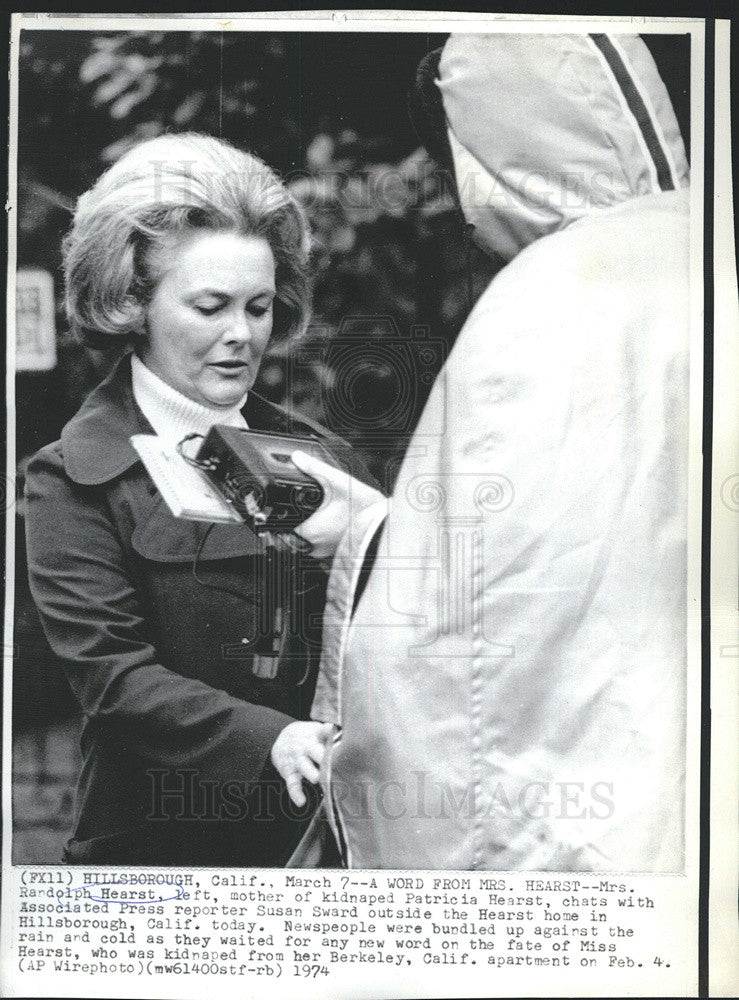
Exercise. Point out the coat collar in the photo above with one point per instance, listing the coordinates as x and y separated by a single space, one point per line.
95 442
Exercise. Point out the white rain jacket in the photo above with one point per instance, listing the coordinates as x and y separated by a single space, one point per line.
510 692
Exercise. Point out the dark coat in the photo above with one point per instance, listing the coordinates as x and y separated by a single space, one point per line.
156 623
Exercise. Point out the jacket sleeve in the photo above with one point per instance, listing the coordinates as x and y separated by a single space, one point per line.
93 619
350 570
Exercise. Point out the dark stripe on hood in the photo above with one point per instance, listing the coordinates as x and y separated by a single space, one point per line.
638 109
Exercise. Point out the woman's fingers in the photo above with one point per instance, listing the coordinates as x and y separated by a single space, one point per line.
316 748
337 484
325 732
297 755
344 499
294 783
329 477
309 770
301 769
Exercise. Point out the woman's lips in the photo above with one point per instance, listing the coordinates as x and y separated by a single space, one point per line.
230 367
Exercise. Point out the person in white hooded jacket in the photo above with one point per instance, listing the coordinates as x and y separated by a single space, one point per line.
509 690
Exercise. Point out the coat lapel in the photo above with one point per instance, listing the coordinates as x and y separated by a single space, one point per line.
96 442
97 450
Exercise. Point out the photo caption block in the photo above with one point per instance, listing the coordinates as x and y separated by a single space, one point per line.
172 933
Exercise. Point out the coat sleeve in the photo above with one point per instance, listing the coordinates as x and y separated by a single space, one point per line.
93 619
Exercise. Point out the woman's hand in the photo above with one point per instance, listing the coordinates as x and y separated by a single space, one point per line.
344 498
297 753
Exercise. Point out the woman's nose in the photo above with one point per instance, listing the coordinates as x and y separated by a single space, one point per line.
239 329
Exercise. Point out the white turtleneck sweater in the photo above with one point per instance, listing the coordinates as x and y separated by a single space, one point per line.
173 415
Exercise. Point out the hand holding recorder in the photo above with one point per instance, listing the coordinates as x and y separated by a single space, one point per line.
344 497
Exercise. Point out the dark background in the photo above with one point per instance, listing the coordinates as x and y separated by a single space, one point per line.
393 270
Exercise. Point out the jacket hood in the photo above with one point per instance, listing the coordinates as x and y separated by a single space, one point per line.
545 129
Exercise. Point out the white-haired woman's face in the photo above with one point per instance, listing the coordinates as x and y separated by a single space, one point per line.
210 317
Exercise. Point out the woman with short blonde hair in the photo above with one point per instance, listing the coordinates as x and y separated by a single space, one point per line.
162 189
191 648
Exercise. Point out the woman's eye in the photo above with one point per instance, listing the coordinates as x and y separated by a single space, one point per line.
208 310
260 310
